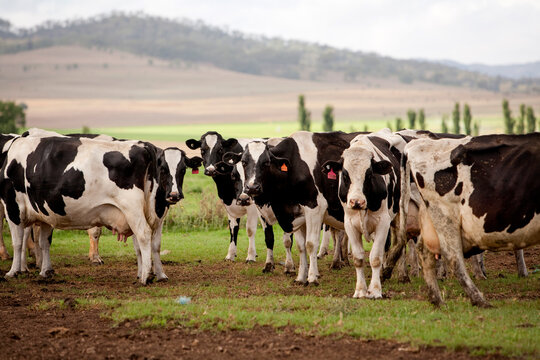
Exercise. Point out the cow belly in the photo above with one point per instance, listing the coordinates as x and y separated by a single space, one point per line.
473 235
333 222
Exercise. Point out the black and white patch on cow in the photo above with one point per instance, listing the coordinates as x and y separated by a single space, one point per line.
79 183
480 193
369 190
213 146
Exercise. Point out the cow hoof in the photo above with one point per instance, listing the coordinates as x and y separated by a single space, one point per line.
314 283
268 268
322 254
229 259
482 303
301 282
249 261
337 265
359 295
165 278
12 275
375 296
290 272
97 262
47 274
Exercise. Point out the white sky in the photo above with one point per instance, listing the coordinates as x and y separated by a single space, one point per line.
468 31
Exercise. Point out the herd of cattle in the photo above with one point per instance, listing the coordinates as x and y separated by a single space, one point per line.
447 196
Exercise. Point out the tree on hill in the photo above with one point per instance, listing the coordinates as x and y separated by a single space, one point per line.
304 115
444 126
508 120
12 117
421 119
455 119
328 118
520 126
467 119
531 120
411 115
399 124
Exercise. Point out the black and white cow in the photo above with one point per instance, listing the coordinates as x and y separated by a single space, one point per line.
213 147
288 178
369 191
479 193
78 183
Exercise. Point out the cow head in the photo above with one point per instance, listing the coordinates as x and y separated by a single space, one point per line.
177 162
213 147
361 183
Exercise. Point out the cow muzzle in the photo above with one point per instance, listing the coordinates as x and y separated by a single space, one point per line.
174 197
210 171
357 204
253 190
243 200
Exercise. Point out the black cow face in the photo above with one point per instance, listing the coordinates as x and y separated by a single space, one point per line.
213 147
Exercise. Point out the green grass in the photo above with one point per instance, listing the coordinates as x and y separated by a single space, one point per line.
181 133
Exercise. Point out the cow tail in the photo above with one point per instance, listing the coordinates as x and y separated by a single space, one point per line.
405 178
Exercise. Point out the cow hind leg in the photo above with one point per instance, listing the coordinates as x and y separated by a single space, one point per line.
403 273
17 233
477 266
156 258
269 240
45 239
93 252
27 243
337 262
428 263
143 234
4 255
138 254
251 228
289 263
476 296
413 259
323 249
520 261
344 248
301 278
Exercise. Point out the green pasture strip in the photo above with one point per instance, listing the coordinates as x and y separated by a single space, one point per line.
510 328
488 124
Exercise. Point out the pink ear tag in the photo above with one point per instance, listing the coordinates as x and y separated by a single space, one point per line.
332 175
195 171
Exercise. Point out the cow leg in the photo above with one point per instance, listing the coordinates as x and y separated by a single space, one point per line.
143 233
323 250
314 220
45 239
26 244
403 276
34 240
156 258
392 257
234 224
477 265
337 262
138 254
93 253
358 253
376 258
17 233
520 261
476 296
303 266
289 263
413 259
269 241
428 263
344 247
4 255
251 228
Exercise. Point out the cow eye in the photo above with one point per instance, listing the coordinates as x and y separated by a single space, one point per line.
244 163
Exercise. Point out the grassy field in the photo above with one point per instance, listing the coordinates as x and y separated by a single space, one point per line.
227 296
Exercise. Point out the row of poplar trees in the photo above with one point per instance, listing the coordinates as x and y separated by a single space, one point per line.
525 123
304 116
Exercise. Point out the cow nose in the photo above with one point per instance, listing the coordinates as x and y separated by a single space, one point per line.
210 171
253 190
357 204
174 197
243 200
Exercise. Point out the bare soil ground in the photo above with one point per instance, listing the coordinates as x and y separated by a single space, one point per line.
68 87
73 332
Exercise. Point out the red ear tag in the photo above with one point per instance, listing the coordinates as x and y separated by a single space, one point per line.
195 171
332 175
284 168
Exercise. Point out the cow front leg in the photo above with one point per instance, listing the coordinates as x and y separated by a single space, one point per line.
358 253
45 240
17 233
289 263
520 261
337 262
323 249
156 257
269 241
313 233
251 228
477 265
376 257
93 252
234 226
143 234
303 266
27 244
138 254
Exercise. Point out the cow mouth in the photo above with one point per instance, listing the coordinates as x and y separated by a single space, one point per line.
243 202
173 199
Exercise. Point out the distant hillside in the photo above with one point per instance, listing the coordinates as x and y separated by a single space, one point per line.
512 71
196 42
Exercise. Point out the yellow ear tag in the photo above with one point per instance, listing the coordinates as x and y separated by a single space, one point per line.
284 167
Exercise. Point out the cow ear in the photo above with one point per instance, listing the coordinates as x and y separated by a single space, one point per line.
223 168
194 162
330 165
283 164
382 167
232 157
193 144
229 143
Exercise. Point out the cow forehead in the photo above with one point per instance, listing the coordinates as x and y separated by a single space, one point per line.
255 150
211 141
173 157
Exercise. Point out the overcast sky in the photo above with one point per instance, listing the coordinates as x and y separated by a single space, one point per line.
468 31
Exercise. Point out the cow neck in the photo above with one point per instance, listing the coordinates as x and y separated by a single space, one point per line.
225 188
